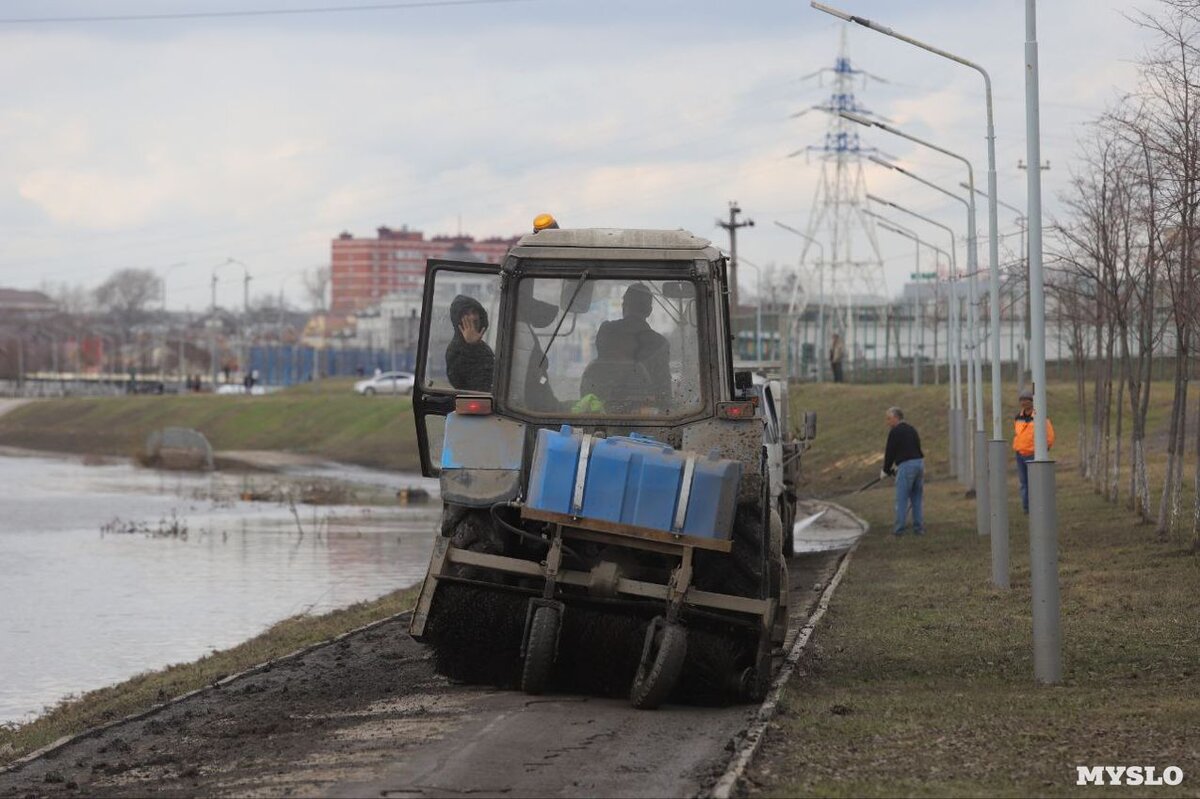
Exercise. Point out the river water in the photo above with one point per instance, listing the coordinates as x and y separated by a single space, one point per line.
110 570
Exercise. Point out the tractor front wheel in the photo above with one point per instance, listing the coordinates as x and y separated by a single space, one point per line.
541 649
663 653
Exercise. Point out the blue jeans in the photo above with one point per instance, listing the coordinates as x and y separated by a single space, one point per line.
1023 477
910 491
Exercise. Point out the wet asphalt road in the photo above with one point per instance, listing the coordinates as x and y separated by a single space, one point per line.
367 716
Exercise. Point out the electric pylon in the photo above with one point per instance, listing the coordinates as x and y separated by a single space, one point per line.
852 268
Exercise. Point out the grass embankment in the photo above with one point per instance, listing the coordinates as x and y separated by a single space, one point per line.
920 681
146 690
324 418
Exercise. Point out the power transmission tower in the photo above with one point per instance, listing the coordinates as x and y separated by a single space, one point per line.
852 266
732 228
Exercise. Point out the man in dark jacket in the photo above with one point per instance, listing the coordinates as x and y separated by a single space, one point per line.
470 362
904 460
632 339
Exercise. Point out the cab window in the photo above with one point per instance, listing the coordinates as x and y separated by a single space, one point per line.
462 332
583 346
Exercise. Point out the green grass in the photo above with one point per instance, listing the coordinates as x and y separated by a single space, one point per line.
920 680
323 418
146 690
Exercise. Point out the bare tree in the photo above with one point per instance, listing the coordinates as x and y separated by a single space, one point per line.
1170 121
316 287
126 295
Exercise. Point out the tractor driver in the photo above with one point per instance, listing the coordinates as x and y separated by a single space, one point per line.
632 339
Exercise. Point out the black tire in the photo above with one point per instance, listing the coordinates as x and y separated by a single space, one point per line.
368 392
540 650
475 631
741 571
663 653
756 681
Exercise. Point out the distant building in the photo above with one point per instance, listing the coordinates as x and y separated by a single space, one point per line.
365 271
25 303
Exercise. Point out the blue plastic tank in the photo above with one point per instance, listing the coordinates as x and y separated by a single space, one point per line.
614 468
658 488
552 474
712 500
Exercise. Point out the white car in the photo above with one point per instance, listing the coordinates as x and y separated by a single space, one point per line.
238 388
386 383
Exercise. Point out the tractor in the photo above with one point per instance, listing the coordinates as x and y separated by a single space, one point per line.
615 492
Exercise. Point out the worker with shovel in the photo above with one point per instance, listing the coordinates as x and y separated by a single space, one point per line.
904 460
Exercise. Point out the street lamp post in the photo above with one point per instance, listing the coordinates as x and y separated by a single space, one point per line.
244 355
1043 514
1022 223
996 448
979 462
820 301
993 225
902 231
162 283
985 488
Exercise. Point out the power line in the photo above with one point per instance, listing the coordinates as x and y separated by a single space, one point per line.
275 12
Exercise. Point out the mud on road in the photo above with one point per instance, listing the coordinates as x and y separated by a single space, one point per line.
367 716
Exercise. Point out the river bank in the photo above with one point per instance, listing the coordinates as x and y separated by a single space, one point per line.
324 419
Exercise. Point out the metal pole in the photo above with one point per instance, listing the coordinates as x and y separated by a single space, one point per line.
976 375
1043 521
911 349
732 227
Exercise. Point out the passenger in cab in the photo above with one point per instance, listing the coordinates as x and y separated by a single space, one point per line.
470 362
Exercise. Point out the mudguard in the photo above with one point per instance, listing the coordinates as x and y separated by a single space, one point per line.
481 460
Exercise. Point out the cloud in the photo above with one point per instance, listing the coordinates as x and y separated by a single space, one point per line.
263 140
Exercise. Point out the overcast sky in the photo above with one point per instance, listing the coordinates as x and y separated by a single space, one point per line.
151 143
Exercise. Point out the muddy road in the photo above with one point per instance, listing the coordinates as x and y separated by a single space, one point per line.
367 716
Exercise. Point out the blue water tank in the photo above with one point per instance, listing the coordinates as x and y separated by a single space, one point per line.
634 480
658 488
552 474
614 471
712 500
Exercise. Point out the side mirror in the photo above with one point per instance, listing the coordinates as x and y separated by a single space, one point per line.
576 298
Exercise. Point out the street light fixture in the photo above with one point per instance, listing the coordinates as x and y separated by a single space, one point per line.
820 302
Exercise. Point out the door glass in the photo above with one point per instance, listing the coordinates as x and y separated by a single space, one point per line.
435 432
462 331
631 350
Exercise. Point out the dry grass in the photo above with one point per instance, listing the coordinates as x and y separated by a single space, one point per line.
920 682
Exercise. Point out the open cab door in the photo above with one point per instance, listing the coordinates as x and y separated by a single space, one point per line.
456 351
